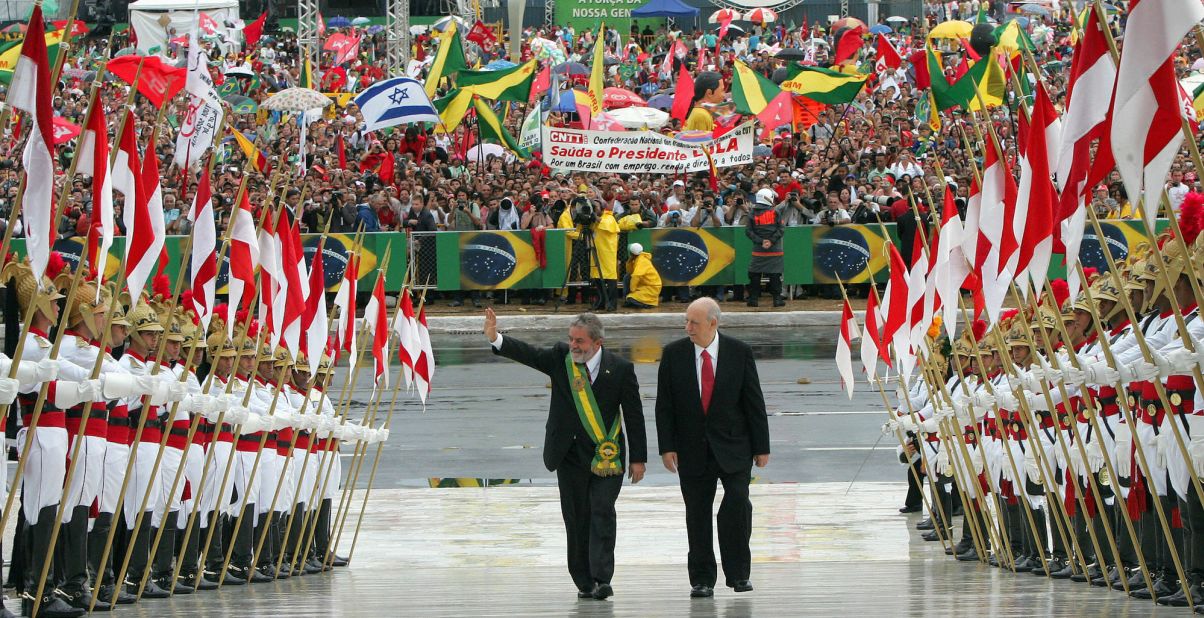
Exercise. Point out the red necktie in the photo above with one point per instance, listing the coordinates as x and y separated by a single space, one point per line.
708 380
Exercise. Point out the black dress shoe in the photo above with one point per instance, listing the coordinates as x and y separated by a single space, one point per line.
178 587
1025 564
1065 572
339 561
82 599
910 509
993 561
50 607
232 579
970 555
1162 588
585 594
150 591
933 536
963 546
750 303
699 591
603 591
313 566
779 302
1179 599
743 585
925 524
105 593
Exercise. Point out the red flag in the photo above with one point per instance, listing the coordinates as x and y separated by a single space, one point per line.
872 346
203 265
31 92
94 161
481 35
919 61
344 300
244 258
844 347
158 81
64 131
896 296
342 149
888 57
850 43
314 323
78 27
252 31
684 95
1036 194
424 369
292 263
543 81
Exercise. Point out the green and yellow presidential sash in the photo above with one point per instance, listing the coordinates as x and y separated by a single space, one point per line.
606 444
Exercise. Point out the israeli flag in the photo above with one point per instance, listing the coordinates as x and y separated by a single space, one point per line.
400 100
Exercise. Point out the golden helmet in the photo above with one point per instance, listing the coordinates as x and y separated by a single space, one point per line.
28 292
302 363
282 358
143 319
85 302
326 366
1045 318
1015 337
266 355
247 348
220 345
192 333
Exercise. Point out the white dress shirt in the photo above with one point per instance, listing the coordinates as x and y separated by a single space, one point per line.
713 350
591 364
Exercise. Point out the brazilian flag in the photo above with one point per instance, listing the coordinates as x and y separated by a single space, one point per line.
498 260
694 256
852 253
513 84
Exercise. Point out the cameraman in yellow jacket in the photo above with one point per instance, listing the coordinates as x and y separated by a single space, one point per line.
644 285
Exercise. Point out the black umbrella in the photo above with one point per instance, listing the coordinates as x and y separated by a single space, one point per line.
790 53
780 75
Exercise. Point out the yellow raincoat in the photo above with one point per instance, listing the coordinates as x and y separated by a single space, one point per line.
645 286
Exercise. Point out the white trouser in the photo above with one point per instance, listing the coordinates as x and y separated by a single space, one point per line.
45 469
117 457
219 452
89 473
248 488
142 483
194 462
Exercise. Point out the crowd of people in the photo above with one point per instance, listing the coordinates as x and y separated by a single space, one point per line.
849 164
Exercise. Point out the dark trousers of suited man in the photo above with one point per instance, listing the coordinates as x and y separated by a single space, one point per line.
712 428
588 383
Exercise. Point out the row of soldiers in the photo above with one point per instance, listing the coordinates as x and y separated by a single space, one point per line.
158 458
1071 433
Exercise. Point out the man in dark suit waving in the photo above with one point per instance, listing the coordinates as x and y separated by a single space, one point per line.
712 427
584 442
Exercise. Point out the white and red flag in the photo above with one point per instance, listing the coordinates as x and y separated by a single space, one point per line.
844 347
203 265
31 91
871 344
998 210
951 268
424 369
94 161
1147 109
345 324
1036 196
244 258
1092 77
405 324
314 321
376 318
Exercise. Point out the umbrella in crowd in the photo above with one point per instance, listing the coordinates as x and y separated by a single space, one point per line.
618 98
443 23
296 100
896 19
640 117
1034 9
484 151
761 15
240 71
847 22
661 101
790 53
571 68
733 31
361 21
338 21
498 65
955 29
722 15
880 29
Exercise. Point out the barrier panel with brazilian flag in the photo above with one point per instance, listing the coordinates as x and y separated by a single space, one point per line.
501 260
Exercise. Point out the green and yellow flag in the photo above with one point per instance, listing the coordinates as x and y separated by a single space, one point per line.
1197 100
307 76
962 92
597 75
449 59
452 108
513 84
824 85
11 52
491 129
751 91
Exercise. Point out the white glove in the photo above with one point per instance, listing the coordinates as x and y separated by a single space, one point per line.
1034 381
1101 373
1182 361
1124 450
1162 449
1073 376
1195 447
375 436
984 399
1030 466
215 404
1162 363
8 390
1036 402
1095 456
384 434
237 415
1076 459
1006 400
1144 371
945 413
908 425
176 390
941 464
282 419
28 372
196 403
254 423
890 427
71 394
930 425
976 460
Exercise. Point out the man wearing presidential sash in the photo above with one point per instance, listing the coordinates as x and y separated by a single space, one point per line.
584 443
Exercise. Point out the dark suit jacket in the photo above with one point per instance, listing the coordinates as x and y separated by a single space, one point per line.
615 387
734 429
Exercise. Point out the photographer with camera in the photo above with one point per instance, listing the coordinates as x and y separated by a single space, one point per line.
764 229
707 214
601 235
797 210
834 214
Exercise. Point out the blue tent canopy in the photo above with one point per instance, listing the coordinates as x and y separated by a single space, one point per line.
665 8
